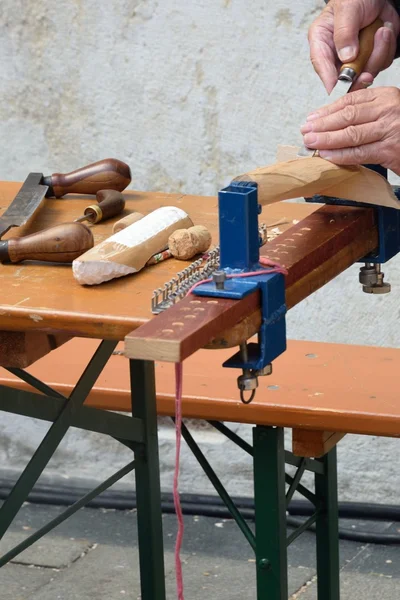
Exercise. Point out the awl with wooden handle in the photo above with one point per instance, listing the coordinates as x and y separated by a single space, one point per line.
110 204
109 173
349 72
62 243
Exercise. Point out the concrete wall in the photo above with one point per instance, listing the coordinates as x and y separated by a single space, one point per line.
190 94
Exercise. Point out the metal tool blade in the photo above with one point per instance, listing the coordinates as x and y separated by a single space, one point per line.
341 88
25 203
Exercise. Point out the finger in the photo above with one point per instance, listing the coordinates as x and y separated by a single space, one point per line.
323 60
353 98
350 137
322 49
362 155
350 115
348 17
381 58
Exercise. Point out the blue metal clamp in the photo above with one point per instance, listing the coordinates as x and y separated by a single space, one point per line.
388 220
240 253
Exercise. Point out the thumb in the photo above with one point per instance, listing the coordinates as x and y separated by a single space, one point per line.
348 17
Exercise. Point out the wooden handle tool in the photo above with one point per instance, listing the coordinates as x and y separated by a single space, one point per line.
126 221
110 204
350 71
109 173
62 243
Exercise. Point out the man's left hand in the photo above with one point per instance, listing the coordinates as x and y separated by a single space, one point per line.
362 127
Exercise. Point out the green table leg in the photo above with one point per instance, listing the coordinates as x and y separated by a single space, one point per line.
148 494
328 530
270 513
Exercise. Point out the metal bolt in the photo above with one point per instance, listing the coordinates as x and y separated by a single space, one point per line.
371 278
219 279
267 370
385 288
247 381
264 564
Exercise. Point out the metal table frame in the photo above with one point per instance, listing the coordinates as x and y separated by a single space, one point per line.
138 432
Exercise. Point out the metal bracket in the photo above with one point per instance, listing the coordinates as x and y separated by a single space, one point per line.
239 248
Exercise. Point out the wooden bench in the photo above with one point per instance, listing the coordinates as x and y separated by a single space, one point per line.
318 389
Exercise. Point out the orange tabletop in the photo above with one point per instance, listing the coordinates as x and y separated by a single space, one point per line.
47 298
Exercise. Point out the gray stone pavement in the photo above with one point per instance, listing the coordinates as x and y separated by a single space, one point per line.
94 555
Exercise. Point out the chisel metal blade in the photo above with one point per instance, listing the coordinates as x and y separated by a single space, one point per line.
25 203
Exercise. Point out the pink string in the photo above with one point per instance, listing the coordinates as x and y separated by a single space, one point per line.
177 501
274 268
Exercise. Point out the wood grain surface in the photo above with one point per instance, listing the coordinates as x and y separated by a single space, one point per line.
46 297
314 251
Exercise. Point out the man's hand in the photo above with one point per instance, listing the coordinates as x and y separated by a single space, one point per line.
333 38
362 127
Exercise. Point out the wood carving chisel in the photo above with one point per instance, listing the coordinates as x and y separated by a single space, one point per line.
349 72
61 243
108 173
110 204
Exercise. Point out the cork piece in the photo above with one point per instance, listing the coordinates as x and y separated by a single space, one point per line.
186 243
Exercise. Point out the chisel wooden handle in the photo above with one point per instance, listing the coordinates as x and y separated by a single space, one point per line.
110 204
366 45
126 221
109 173
62 243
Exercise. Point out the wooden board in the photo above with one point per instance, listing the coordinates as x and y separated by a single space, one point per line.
314 251
47 298
306 177
20 349
314 444
315 386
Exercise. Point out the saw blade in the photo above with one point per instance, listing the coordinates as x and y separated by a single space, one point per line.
25 203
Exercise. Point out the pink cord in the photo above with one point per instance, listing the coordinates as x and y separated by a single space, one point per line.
275 268
177 501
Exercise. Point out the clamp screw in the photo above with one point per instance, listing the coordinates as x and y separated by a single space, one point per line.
371 278
219 278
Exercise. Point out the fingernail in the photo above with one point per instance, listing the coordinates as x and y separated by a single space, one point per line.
367 84
312 116
306 128
310 138
325 154
387 35
389 25
346 53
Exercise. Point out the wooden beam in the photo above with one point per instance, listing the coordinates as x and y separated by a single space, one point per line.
314 444
21 349
314 251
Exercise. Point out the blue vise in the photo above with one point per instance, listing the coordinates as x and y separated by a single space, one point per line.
388 222
239 254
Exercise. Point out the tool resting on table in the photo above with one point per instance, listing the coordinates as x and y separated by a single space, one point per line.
62 243
110 204
349 72
109 173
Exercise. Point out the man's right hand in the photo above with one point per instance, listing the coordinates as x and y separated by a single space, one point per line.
333 38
